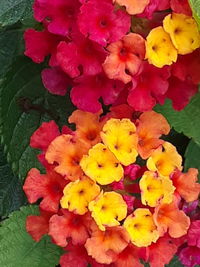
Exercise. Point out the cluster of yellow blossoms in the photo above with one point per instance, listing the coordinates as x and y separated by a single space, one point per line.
179 35
97 158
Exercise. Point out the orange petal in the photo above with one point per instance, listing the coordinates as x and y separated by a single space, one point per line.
186 184
169 218
123 57
133 7
88 126
67 152
151 126
105 246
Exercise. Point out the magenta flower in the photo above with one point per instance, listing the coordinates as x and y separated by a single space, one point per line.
105 25
59 15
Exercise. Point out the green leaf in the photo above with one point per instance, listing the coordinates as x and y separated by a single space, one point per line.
12 11
192 157
195 6
11 45
18 249
11 193
174 263
24 105
185 121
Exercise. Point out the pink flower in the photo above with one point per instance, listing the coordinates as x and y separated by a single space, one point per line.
56 81
193 235
89 89
59 15
132 171
38 45
148 87
81 56
105 25
190 256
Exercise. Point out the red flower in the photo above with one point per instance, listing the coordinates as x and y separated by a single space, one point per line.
129 257
81 56
148 87
180 92
38 225
59 15
161 252
44 135
69 225
181 6
89 89
48 186
38 45
104 24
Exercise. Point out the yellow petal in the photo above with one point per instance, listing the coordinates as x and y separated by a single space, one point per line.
78 194
160 50
101 165
141 228
165 160
156 189
120 137
108 209
183 31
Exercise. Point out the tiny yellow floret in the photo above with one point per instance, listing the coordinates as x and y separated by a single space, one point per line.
120 137
141 228
165 160
183 31
101 165
108 209
160 50
78 194
156 189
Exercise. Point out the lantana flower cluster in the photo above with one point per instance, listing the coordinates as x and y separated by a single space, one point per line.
132 52
114 193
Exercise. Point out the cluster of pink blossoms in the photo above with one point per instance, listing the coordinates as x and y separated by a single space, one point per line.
100 205
101 50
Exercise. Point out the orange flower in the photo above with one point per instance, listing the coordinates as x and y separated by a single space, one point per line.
105 246
125 57
133 7
169 218
186 184
67 152
165 160
88 126
151 126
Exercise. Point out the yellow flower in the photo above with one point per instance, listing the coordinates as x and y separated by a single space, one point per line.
120 137
141 228
108 209
156 189
160 50
165 160
183 31
78 194
101 165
